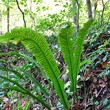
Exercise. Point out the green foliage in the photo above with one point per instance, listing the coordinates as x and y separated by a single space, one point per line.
40 49
72 49
49 22
66 44
105 101
36 43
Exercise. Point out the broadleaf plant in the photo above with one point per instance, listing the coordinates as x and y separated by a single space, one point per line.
36 43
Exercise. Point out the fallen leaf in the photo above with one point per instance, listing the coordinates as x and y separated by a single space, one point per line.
88 38
105 64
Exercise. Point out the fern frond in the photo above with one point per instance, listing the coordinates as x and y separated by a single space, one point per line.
37 44
66 44
78 50
72 57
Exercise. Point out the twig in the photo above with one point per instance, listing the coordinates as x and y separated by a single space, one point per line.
103 10
88 2
31 17
77 15
21 12
99 92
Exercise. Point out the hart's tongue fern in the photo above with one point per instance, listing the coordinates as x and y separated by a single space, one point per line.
37 44
72 49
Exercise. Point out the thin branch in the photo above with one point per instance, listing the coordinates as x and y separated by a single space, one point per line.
77 15
88 2
21 12
8 16
31 17
103 10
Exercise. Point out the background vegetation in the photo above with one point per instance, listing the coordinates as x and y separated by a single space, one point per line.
50 18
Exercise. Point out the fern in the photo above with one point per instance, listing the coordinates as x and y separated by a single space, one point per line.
37 44
66 45
71 50
72 57
78 50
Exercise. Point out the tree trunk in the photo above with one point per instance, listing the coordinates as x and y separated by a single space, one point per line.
29 8
73 4
77 15
89 9
95 2
21 12
103 10
8 19
0 22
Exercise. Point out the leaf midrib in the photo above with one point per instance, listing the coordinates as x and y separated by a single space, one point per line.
51 69
69 56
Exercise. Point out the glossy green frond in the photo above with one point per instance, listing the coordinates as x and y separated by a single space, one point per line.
37 44
72 57
78 50
66 45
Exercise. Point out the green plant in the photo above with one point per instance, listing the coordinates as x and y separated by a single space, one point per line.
36 43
